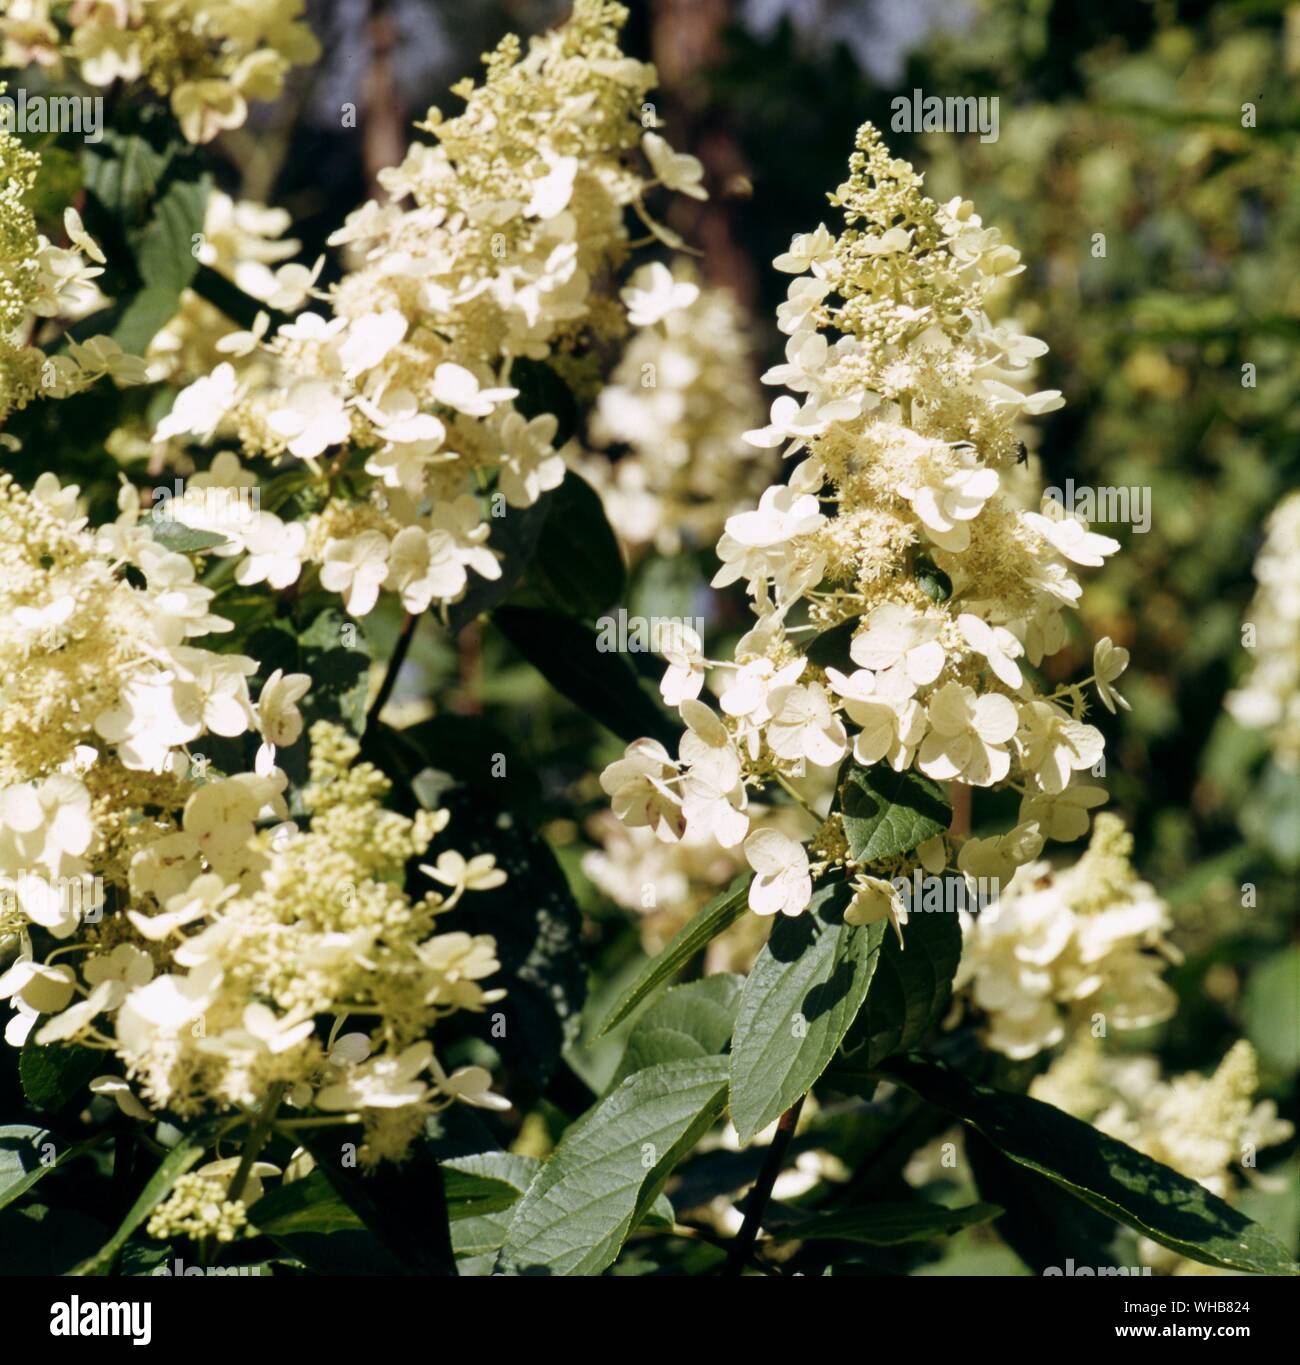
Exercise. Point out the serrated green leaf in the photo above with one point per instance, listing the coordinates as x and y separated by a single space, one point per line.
798 1003
56 1074
336 656
486 1182
146 199
886 1225
887 813
495 1181
180 1159
1103 1172
691 1020
720 913
911 989
610 1167
1041 1223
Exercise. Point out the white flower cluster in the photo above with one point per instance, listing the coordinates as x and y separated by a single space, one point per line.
1059 947
892 525
1270 697
40 281
209 57
171 914
680 399
492 251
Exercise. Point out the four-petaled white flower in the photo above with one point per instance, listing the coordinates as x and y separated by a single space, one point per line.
782 881
652 293
1108 662
640 787
996 644
674 170
356 567
803 726
1072 539
968 736
899 639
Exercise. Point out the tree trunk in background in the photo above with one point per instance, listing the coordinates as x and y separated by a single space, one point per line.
686 39
384 130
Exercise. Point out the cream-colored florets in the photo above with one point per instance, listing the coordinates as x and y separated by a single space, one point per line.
1269 698
903 406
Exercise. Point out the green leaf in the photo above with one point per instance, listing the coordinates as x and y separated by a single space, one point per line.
309 1220
514 537
610 1167
1041 1223
887 813
486 1182
23 1160
911 989
1104 1173
720 913
886 1225
146 198
165 260
182 539
691 1020
404 1206
578 564
567 654
477 1235
541 390
309 1205
56 1075
180 1159
20 1159
830 649
339 670
1270 817
803 994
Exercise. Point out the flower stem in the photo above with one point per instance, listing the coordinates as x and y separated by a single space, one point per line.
256 1139
404 638
742 1245
785 783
